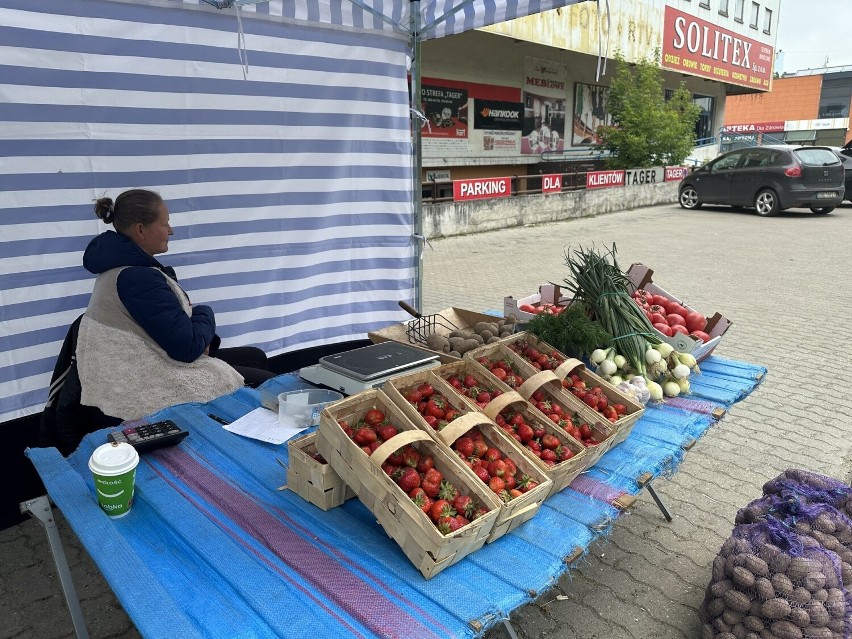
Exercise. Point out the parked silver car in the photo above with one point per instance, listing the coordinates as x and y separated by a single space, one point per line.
768 178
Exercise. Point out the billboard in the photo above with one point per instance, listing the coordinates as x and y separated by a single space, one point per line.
697 47
545 92
590 112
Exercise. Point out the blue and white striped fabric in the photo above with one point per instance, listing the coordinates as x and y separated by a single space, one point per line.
290 191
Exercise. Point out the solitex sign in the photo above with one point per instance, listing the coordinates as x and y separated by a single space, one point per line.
691 45
481 188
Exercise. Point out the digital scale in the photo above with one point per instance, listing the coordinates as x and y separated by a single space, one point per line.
371 366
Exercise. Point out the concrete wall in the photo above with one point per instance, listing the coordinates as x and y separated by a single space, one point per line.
460 218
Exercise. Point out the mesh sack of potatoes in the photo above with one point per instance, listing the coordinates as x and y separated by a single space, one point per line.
815 488
770 582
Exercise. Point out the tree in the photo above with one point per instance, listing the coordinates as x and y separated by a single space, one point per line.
647 129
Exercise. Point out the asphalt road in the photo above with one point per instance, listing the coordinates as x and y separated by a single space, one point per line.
785 284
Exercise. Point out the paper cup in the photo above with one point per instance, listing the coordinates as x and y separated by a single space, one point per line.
113 467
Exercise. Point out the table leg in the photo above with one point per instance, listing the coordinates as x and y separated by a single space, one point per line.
39 509
658 501
509 629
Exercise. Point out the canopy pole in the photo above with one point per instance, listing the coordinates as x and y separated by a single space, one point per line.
417 159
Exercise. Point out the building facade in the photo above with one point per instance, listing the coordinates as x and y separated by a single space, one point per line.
805 107
526 97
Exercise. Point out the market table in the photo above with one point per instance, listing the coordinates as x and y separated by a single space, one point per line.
212 548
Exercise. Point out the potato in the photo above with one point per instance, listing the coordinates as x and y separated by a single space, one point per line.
459 333
728 547
743 577
814 581
813 632
785 630
486 335
800 595
457 344
477 338
492 340
505 333
721 627
725 635
768 552
818 614
438 342
763 588
719 568
835 604
820 595
752 635
756 565
801 567
800 617
732 617
782 584
777 608
716 607
719 588
823 523
739 631
707 631
755 624
737 600
471 344
837 626
780 563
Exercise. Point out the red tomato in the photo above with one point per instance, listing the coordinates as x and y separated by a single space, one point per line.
679 328
695 321
657 318
674 319
704 337
665 329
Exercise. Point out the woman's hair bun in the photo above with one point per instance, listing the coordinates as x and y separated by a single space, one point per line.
104 209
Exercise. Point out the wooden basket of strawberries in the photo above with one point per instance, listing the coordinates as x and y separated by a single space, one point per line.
311 477
385 459
492 456
545 396
596 397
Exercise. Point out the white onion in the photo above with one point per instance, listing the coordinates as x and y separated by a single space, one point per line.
608 368
671 389
680 371
683 384
615 380
664 349
619 360
687 360
655 390
598 355
652 356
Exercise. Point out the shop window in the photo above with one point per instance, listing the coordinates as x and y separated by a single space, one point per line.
704 125
798 137
755 14
767 21
723 7
704 4
739 8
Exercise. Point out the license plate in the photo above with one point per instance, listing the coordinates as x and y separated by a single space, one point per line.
826 195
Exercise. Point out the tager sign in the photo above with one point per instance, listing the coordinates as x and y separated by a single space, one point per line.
676 173
697 47
481 188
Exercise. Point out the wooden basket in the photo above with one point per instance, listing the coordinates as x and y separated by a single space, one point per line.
569 365
512 513
551 386
424 545
312 480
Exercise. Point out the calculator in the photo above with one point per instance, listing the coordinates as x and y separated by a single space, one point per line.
150 436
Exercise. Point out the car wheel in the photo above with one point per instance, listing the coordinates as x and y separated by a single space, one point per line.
689 198
766 203
822 210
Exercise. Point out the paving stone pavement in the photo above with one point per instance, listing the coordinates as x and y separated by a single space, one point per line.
785 284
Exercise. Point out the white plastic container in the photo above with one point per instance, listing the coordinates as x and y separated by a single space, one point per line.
301 408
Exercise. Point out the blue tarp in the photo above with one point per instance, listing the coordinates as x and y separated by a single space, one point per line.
211 548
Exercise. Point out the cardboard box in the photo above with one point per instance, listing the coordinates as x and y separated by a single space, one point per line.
717 324
415 331
312 480
547 294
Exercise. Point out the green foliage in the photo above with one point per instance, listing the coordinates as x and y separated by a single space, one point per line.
572 331
647 130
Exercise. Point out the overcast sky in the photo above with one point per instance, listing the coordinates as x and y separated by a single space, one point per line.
810 30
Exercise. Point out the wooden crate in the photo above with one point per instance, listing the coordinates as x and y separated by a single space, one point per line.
569 365
512 513
312 480
420 540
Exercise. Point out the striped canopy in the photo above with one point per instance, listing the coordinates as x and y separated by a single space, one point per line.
279 134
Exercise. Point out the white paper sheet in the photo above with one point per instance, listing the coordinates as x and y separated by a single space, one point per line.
263 424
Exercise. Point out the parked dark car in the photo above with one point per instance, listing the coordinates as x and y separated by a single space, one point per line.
845 155
769 179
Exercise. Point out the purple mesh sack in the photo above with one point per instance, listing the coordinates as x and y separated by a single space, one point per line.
816 488
771 582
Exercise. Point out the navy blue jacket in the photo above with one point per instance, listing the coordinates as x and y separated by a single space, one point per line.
149 299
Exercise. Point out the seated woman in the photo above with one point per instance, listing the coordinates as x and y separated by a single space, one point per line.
142 346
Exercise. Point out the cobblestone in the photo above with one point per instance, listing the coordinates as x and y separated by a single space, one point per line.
783 283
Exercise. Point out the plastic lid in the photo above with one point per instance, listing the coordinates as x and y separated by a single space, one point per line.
113 459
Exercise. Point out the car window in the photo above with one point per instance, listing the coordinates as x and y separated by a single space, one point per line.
777 158
846 152
816 157
726 162
755 158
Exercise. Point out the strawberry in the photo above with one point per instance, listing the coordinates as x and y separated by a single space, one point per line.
482 473
409 479
464 446
430 488
479 448
497 468
464 505
525 432
496 484
421 499
374 446
441 508
386 431
410 456
479 512
374 417
563 453
510 482
319 458
395 457
447 525
511 468
462 521
492 454
548 455
470 381
426 390
364 436
483 397
433 475
448 491
390 468
414 396
550 441
505 496
426 462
